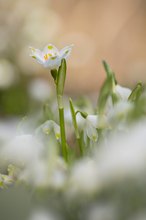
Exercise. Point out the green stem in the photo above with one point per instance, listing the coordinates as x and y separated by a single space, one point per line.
77 135
74 120
80 145
62 127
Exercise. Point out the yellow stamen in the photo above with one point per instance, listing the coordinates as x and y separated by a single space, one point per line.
46 57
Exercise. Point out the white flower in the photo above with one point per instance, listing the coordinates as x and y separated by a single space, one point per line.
119 110
47 127
90 128
50 57
126 157
22 149
122 92
90 132
83 177
93 119
90 124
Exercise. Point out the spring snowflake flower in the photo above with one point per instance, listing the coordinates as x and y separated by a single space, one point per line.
89 126
83 177
122 92
50 57
47 127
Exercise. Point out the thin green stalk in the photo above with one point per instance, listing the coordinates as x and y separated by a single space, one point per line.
59 79
77 133
80 145
62 127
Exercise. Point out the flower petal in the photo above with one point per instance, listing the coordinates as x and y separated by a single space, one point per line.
122 92
50 57
94 120
65 52
91 132
53 62
51 50
47 127
37 54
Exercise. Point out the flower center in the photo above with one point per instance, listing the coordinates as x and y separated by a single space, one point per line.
46 56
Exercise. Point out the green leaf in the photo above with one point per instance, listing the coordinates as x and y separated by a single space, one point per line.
47 112
54 75
61 77
77 133
107 68
136 93
109 71
105 92
73 114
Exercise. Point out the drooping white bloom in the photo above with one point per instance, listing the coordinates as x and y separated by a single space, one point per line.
122 92
90 124
127 155
93 119
22 149
83 177
120 110
50 57
90 128
47 127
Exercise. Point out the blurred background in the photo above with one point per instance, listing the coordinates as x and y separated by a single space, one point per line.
113 30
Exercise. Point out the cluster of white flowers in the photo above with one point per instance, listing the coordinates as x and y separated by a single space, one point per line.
110 149
121 157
